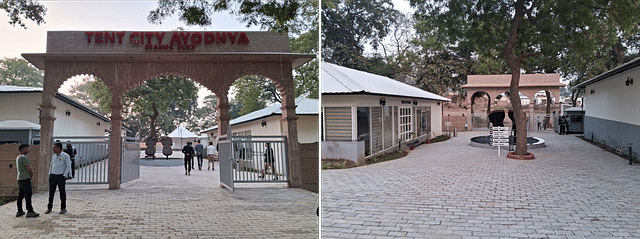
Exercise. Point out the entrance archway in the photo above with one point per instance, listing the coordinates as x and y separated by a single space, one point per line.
123 60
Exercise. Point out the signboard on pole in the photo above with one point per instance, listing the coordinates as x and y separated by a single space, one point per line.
499 137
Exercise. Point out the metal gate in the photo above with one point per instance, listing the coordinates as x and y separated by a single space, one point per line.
130 160
547 122
92 159
253 159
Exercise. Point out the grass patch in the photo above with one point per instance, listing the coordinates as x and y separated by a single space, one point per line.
621 153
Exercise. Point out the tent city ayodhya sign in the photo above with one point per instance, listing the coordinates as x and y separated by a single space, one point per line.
145 42
161 40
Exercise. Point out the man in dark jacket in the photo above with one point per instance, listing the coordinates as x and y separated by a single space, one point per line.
188 152
71 151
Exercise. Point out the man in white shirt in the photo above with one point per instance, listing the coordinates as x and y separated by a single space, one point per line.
211 156
59 170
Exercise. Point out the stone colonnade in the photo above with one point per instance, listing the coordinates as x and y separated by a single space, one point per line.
121 77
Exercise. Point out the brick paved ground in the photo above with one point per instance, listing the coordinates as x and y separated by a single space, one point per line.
164 203
452 190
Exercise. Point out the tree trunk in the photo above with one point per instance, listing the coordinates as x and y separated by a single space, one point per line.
548 101
515 64
152 121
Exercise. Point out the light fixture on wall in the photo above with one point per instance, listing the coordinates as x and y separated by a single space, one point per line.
98 123
593 91
437 103
264 123
67 113
383 101
629 81
415 102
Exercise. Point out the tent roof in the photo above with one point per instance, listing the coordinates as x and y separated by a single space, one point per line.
182 132
342 80
18 125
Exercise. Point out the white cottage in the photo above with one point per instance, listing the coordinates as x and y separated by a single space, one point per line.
267 121
612 108
21 104
364 114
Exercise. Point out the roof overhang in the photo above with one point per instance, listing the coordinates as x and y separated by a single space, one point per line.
386 95
39 60
629 65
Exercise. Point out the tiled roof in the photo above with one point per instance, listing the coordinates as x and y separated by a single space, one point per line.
526 80
342 80
304 106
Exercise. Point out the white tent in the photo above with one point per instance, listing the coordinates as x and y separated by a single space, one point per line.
181 136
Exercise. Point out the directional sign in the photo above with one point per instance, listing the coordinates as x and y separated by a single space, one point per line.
500 140
499 144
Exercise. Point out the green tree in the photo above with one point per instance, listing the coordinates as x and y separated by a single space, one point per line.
348 26
19 72
21 10
525 28
273 15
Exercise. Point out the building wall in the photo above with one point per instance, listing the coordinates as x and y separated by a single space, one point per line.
612 112
307 127
24 106
613 100
8 172
370 100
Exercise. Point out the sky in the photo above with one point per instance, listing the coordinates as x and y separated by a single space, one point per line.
105 15
97 15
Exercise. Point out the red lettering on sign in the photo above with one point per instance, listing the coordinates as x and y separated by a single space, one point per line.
196 37
221 37
132 38
89 35
209 37
109 37
149 36
243 38
184 36
175 38
99 37
120 35
232 36
159 36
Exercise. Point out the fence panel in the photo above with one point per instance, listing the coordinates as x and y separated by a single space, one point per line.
130 164
250 159
91 160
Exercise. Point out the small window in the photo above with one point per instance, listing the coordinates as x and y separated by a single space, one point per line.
576 118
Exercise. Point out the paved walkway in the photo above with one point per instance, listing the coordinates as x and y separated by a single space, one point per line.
164 203
452 190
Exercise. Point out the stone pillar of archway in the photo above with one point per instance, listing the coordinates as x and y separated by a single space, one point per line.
223 115
290 129
115 143
46 136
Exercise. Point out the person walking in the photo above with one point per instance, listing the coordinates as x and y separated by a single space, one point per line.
268 162
566 124
23 165
199 151
188 152
71 151
211 156
59 170
539 123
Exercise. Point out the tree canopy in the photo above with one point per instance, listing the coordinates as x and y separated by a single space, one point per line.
19 72
21 10
560 33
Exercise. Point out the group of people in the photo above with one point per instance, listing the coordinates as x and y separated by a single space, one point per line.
190 151
60 169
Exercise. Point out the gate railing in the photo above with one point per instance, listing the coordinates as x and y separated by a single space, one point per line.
92 159
250 159
130 160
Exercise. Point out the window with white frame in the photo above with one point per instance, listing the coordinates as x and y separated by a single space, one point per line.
405 123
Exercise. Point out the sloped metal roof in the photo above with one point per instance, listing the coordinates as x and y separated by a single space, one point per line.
18 125
342 80
304 106
622 68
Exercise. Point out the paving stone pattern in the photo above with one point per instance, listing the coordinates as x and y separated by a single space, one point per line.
452 190
164 203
